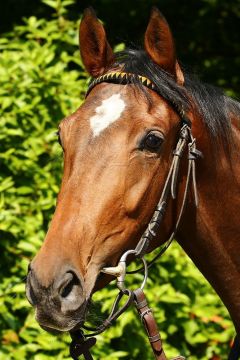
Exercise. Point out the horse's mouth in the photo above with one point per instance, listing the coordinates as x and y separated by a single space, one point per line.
56 328
55 322
51 330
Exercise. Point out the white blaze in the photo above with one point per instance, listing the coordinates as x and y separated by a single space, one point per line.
109 111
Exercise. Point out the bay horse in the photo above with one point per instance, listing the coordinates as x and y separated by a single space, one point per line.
117 153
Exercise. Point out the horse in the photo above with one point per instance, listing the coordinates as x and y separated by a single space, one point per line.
118 148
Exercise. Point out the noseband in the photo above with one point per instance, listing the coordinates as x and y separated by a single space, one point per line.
81 343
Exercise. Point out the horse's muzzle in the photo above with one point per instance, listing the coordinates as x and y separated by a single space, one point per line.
59 306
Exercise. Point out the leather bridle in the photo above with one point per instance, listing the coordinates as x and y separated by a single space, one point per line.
81 343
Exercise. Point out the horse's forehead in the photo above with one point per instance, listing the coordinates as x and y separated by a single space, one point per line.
109 111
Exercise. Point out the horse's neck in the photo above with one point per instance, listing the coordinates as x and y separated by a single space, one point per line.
210 234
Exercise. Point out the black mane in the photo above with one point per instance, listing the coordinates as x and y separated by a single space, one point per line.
213 106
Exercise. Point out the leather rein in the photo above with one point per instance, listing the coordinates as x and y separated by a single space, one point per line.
81 343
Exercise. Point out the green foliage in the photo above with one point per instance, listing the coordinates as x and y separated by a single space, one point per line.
41 81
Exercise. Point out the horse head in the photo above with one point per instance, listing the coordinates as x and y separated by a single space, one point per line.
117 149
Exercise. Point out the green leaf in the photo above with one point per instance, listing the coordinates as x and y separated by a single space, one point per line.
52 3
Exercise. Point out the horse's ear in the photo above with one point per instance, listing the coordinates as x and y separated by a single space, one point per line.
95 50
159 45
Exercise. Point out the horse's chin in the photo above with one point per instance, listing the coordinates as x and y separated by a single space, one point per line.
56 322
52 331
61 330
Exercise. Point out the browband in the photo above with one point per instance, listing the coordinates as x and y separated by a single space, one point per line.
124 78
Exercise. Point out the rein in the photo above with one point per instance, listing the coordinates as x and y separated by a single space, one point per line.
81 343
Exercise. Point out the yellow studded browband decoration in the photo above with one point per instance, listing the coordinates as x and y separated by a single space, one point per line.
121 78
124 78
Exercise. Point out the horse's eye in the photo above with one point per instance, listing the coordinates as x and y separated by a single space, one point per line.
152 141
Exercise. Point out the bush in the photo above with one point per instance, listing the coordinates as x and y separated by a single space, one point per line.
42 81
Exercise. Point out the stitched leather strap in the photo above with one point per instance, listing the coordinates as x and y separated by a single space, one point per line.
149 323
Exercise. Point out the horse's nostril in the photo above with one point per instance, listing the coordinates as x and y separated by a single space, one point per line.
67 289
69 282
